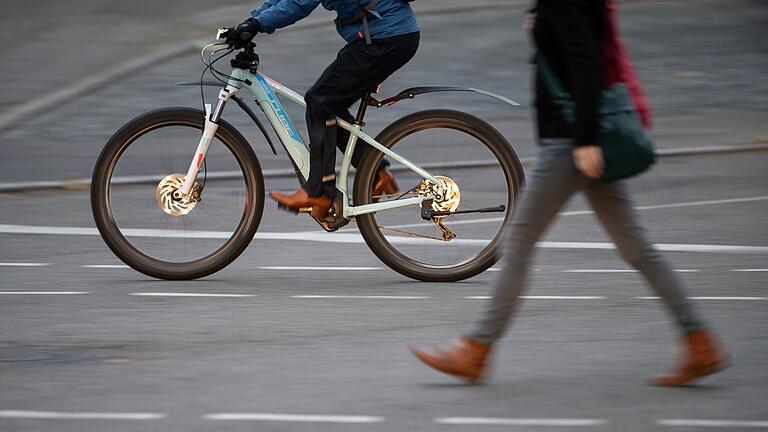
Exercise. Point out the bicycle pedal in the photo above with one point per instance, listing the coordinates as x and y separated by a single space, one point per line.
287 209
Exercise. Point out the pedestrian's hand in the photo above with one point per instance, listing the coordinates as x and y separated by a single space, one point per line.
589 160
530 21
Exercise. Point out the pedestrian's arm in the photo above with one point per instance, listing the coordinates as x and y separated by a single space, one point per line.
573 32
282 13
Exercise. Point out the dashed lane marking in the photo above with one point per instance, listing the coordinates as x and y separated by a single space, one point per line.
496 421
715 423
320 268
20 264
724 298
55 415
371 297
43 292
750 270
182 294
543 297
620 271
301 418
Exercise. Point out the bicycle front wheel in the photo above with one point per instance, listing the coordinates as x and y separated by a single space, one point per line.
479 170
161 235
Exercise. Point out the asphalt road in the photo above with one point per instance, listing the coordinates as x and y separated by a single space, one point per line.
271 350
271 344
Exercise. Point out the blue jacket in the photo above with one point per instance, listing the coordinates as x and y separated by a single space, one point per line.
396 16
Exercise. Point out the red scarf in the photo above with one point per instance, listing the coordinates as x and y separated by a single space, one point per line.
619 67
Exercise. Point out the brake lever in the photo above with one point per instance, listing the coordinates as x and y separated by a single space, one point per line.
222 33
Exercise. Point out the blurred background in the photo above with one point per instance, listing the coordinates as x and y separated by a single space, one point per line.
72 72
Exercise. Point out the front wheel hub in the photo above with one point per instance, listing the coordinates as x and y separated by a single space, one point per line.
166 200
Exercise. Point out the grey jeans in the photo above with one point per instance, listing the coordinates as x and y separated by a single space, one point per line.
553 181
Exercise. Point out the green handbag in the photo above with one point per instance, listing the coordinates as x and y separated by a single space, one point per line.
627 148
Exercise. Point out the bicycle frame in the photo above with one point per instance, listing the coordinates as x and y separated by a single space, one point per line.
264 90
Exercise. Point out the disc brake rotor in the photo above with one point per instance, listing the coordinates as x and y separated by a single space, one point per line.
446 200
171 205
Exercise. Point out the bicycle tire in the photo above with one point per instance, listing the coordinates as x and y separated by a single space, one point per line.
459 121
123 249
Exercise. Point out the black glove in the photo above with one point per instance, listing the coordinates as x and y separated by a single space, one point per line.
238 37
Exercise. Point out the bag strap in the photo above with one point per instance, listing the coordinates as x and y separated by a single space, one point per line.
561 97
362 15
551 82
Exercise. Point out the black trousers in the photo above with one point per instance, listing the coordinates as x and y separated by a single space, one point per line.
357 70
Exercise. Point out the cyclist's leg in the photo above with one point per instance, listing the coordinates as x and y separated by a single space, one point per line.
342 138
393 54
357 69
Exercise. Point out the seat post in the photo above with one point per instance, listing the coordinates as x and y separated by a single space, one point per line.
362 108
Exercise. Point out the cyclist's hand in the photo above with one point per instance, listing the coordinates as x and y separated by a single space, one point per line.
589 160
238 37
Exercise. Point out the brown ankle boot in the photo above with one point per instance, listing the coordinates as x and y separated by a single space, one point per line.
385 184
464 359
300 199
703 357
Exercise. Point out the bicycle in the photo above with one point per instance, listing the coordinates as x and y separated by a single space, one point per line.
172 219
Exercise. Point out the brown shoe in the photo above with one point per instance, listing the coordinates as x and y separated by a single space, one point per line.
301 200
385 185
464 359
703 357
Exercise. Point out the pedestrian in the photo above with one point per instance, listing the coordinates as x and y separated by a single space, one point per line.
579 41
382 36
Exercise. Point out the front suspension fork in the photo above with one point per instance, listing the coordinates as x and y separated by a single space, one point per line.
209 131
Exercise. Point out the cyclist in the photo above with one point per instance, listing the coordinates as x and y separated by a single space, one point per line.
381 36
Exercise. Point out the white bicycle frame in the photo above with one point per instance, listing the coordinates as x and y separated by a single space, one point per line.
263 89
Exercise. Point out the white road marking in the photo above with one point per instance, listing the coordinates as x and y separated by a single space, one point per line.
750 270
80 415
495 421
383 297
714 423
540 297
302 418
43 292
725 298
704 203
620 271
320 268
181 294
589 212
667 247
599 271
13 264
105 266
358 239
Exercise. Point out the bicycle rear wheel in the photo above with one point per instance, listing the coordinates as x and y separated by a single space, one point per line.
151 231
482 171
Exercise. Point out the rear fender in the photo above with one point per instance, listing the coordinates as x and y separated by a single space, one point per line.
415 91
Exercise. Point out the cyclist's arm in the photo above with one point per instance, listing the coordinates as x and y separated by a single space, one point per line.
264 6
282 13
